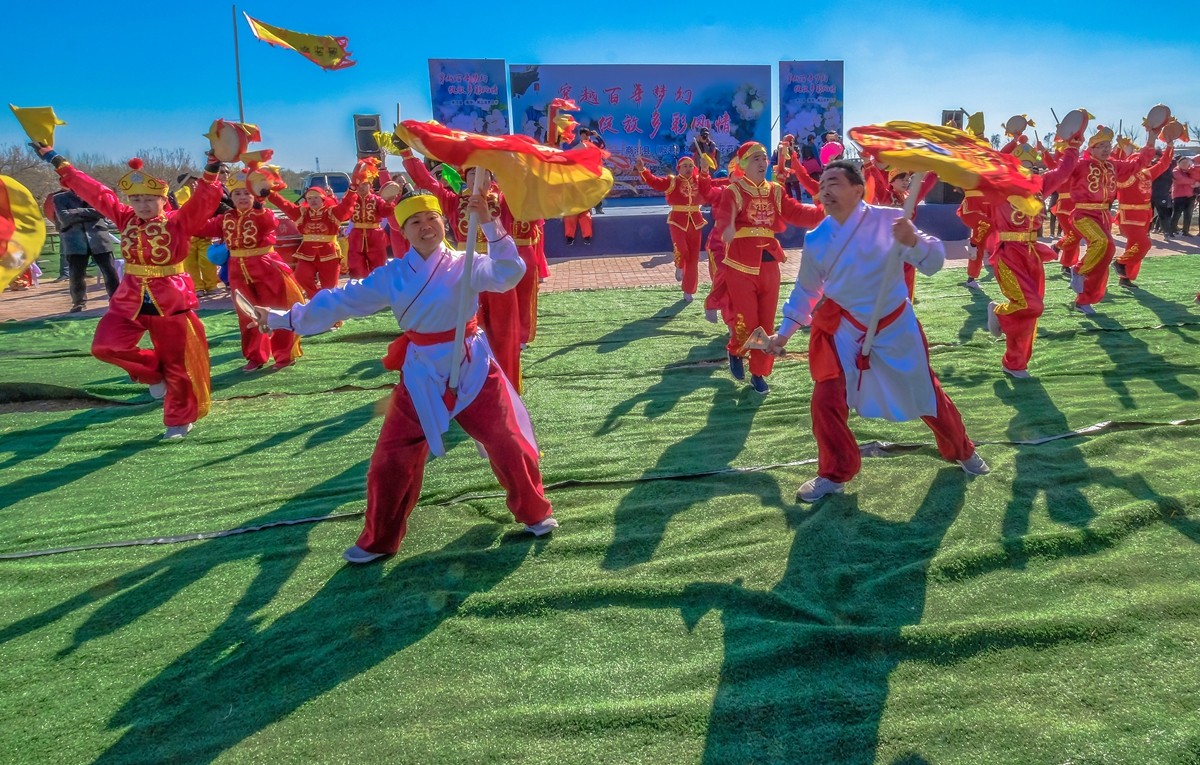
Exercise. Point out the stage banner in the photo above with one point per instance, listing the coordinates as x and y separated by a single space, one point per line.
811 97
470 94
653 109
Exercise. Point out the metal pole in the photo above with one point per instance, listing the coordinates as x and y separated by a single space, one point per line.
237 66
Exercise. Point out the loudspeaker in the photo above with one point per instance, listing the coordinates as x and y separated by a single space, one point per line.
365 126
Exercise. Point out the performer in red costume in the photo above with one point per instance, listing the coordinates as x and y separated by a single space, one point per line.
749 213
684 193
319 217
1017 259
156 294
499 312
1134 215
258 272
891 189
527 236
1093 187
716 304
368 243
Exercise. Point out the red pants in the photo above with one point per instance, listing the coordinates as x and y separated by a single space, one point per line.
543 268
179 358
527 295
979 225
584 221
316 275
753 302
838 458
368 251
1068 243
398 463
499 317
266 281
1022 279
910 280
1137 244
687 255
1096 260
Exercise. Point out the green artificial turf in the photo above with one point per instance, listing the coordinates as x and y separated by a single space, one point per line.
688 610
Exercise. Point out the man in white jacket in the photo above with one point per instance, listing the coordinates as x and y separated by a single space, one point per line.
844 262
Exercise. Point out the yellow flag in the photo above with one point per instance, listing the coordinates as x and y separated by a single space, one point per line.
22 229
323 50
39 122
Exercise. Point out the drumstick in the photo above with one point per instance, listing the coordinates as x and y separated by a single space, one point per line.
1055 116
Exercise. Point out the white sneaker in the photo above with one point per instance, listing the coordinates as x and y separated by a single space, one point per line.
542 527
974 465
994 321
356 555
1076 281
1085 309
678 274
688 297
712 315
971 284
158 390
818 487
176 432
1020 374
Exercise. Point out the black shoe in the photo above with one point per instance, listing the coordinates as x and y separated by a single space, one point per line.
737 367
1066 271
1120 269
78 307
759 384
1127 283
587 240
570 240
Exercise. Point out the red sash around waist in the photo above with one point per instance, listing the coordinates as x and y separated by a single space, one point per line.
822 353
398 348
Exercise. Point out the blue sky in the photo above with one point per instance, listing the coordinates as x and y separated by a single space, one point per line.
127 80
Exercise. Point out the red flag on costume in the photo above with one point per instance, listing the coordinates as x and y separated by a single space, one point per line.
325 51
537 181
957 157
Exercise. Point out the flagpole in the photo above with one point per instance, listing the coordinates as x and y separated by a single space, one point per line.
237 67
465 290
889 271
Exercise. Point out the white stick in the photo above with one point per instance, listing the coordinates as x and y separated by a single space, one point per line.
889 268
465 292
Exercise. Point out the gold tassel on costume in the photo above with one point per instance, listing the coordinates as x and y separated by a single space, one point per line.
195 361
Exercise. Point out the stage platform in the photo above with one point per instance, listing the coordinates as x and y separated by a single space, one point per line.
631 229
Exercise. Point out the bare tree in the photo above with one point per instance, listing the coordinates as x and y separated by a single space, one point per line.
19 162
996 141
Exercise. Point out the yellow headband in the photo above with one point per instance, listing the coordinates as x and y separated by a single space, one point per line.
415 204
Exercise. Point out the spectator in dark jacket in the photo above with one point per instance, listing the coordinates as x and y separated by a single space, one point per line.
83 235
1160 198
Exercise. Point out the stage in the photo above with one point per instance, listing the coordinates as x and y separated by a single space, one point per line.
631 229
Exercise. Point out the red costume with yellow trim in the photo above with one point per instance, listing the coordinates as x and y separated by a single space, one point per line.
318 260
1093 188
156 294
684 194
1134 213
368 243
259 273
756 212
499 312
1018 258
528 237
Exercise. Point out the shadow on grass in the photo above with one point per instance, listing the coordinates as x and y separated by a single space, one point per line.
1060 471
642 517
1168 312
814 691
38 442
638 329
241 679
1132 358
976 318
137 593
